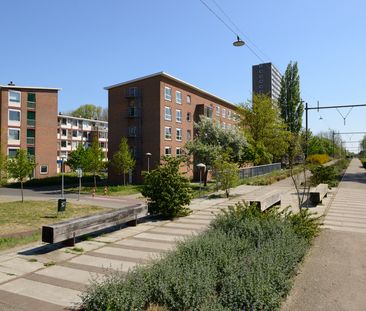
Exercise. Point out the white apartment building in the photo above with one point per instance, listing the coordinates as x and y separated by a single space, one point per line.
73 131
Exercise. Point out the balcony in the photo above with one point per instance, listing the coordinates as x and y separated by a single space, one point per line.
31 122
133 92
133 112
31 105
30 140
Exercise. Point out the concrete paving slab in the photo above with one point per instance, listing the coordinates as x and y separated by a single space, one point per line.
69 274
104 263
152 245
45 292
159 237
19 266
175 231
125 252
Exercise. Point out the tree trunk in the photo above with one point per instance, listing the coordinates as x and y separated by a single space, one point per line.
124 178
227 192
21 190
95 181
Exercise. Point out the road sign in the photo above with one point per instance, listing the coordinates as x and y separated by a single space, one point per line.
79 172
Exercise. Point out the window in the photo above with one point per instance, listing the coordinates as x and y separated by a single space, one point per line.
189 135
168 151
168 113
63 121
168 132
178 151
74 133
178 115
223 112
31 151
189 117
43 169
217 111
14 98
178 97
207 112
31 118
179 134
229 126
31 97
14 115
132 131
229 114
63 143
12 152
223 125
188 99
31 134
63 132
168 93
14 134
31 100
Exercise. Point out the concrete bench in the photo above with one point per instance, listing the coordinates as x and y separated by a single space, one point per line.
267 199
66 231
318 193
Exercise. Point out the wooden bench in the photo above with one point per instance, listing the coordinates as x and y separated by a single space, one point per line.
318 193
67 231
267 199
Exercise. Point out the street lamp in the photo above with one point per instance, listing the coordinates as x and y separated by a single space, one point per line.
201 168
148 154
62 176
238 42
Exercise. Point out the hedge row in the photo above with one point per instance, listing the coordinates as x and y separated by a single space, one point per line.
244 261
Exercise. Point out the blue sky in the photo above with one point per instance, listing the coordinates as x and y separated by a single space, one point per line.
82 46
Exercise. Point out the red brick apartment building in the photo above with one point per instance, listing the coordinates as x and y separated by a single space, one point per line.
157 114
28 119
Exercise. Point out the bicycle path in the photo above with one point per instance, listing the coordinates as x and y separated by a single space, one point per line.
333 276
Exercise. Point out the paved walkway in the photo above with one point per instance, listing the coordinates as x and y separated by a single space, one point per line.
45 278
333 276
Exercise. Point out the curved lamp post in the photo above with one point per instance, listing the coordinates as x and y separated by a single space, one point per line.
148 154
201 168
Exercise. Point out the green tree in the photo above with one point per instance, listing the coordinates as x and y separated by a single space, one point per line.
94 159
123 160
226 174
291 106
3 166
20 167
211 141
167 190
90 111
78 158
265 129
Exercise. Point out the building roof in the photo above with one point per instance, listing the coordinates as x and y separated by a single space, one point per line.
60 115
29 87
166 75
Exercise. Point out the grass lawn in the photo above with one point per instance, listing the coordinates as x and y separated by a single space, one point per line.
112 190
20 223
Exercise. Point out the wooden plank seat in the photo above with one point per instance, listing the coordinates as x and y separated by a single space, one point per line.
267 199
318 193
66 231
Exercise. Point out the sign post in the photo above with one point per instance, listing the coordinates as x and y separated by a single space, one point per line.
79 172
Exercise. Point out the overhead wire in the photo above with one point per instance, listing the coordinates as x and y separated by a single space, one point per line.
229 28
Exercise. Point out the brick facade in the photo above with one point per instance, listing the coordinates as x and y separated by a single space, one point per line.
137 110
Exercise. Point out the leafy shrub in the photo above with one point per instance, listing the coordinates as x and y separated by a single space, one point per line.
323 175
363 162
328 174
244 261
167 190
318 159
